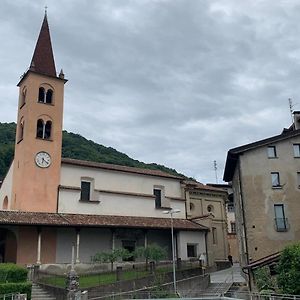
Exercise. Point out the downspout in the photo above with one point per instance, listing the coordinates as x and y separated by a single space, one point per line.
57 199
244 219
206 251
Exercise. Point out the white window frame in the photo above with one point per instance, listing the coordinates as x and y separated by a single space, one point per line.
275 179
296 148
272 153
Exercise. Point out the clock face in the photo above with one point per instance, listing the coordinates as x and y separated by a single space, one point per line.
43 159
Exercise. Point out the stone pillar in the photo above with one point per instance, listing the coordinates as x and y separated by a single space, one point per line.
77 245
39 246
73 280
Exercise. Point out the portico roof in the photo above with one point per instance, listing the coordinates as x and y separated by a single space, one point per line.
83 220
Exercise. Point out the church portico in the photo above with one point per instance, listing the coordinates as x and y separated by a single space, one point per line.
44 238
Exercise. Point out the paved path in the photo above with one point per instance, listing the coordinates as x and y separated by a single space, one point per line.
230 275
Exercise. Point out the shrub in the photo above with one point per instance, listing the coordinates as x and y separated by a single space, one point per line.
12 273
21 287
289 270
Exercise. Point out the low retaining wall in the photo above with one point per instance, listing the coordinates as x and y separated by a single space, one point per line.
188 281
143 285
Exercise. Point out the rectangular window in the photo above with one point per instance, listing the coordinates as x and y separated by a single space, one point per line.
232 227
157 194
85 191
272 152
191 250
298 179
275 179
296 150
280 220
214 235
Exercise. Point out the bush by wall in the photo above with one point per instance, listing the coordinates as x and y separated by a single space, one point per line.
12 273
21 287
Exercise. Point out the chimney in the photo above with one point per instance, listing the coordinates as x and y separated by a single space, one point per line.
296 119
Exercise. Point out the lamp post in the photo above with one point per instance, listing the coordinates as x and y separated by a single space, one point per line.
171 212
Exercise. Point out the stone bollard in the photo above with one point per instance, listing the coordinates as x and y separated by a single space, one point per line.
179 263
119 273
152 267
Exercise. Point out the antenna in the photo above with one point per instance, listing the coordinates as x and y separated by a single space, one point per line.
291 105
216 170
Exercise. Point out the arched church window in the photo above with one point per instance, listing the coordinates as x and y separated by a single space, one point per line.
48 126
43 130
41 95
49 96
40 129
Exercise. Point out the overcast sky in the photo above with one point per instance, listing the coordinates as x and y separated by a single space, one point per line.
176 82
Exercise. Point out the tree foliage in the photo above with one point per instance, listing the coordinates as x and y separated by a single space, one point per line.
264 281
73 146
151 252
111 257
289 270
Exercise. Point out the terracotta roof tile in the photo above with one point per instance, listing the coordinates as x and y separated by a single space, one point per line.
81 220
91 164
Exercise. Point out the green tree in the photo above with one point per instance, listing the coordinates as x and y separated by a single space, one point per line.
151 252
289 270
264 281
111 257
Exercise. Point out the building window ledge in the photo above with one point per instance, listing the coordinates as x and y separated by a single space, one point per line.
277 187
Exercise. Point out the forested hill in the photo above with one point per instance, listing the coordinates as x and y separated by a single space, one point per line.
74 146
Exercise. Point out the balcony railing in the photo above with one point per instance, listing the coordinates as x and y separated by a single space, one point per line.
281 224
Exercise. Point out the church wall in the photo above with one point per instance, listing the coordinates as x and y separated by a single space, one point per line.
161 238
27 245
188 237
115 204
118 193
92 240
6 187
119 181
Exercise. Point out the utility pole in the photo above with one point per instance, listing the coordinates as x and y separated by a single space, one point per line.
216 170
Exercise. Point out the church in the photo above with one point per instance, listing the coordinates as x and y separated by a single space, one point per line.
49 203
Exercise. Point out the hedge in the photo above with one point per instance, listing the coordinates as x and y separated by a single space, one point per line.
12 273
10 288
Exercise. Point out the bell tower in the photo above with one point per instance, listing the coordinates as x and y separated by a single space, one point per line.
37 160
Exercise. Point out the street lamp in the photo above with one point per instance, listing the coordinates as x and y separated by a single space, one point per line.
171 212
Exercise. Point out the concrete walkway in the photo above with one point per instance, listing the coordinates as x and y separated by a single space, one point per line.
230 275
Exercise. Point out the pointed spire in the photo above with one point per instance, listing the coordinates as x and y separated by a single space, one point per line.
43 61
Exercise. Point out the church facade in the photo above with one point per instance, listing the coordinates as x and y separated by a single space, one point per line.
49 203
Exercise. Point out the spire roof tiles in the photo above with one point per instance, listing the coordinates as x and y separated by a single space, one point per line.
43 60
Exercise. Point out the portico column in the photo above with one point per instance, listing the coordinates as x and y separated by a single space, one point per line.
39 245
146 238
77 245
113 238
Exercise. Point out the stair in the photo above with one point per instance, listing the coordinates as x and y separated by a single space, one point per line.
38 293
217 289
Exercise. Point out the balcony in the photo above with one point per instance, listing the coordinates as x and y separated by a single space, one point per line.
281 224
